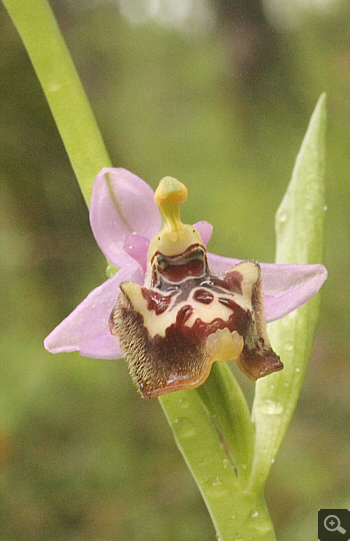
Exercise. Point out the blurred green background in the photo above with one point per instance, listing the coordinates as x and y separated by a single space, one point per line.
217 93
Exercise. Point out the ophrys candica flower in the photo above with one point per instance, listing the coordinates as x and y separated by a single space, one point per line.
172 308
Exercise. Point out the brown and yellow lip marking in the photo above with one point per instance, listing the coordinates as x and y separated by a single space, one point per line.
184 318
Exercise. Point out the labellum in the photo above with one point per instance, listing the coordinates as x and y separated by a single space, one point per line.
184 318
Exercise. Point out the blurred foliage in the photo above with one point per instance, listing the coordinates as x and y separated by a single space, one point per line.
223 106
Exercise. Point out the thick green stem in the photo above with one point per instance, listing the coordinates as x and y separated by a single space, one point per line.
237 515
69 105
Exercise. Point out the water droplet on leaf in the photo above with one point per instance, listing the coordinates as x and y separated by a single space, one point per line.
281 218
226 463
215 488
185 427
269 407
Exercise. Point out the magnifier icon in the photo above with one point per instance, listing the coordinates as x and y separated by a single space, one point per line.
332 524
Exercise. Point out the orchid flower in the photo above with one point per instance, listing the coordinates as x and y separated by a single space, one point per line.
124 218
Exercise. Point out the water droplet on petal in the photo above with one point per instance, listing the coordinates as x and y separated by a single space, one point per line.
256 514
288 346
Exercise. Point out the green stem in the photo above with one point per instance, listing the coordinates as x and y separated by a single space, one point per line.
236 513
65 94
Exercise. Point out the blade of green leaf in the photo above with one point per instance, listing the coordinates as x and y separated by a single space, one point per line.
300 238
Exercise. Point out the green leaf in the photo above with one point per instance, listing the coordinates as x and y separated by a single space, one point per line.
300 238
230 415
